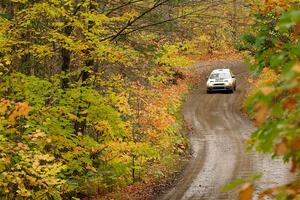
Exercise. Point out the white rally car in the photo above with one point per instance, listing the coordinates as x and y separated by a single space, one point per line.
221 80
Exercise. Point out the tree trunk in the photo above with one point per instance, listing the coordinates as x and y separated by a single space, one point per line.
66 57
81 126
234 20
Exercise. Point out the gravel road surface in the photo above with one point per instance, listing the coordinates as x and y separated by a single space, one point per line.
218 142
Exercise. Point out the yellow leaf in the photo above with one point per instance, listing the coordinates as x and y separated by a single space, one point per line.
250 80
296 68
4 104
31 179
267 90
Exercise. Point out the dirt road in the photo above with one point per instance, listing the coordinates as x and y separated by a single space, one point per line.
217 142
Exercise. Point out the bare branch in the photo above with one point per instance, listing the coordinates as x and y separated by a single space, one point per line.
131 22
171 19
122 6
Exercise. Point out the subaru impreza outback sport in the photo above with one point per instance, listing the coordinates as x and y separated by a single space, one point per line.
221 80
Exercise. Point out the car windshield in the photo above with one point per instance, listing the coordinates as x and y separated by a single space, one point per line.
220 76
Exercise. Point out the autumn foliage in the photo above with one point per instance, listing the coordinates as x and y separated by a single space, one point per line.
273 102
91 91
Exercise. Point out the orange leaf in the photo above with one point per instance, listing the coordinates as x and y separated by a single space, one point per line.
272 192
297 29
246 192
293 189
281 149
295 165
261 113
22 109
265 193
295 143
294 90
290 104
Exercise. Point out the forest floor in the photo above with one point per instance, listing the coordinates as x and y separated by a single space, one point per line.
218 148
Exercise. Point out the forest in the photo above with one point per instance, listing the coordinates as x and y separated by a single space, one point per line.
91 90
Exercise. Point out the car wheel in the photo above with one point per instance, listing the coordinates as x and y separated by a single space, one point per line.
208 91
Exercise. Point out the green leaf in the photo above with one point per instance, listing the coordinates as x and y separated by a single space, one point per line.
289 19
278 59
234 184
256 177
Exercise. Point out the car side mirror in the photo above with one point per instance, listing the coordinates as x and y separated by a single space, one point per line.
233 76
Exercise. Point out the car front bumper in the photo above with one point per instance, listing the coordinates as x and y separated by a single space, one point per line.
220 88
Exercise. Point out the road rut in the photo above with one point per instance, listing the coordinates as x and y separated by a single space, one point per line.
217 142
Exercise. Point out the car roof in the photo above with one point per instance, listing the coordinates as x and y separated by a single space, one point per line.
220 70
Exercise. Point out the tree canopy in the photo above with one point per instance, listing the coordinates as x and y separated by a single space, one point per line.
91 90
273 47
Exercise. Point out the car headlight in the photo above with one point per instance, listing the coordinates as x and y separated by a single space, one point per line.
209 84
228 83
